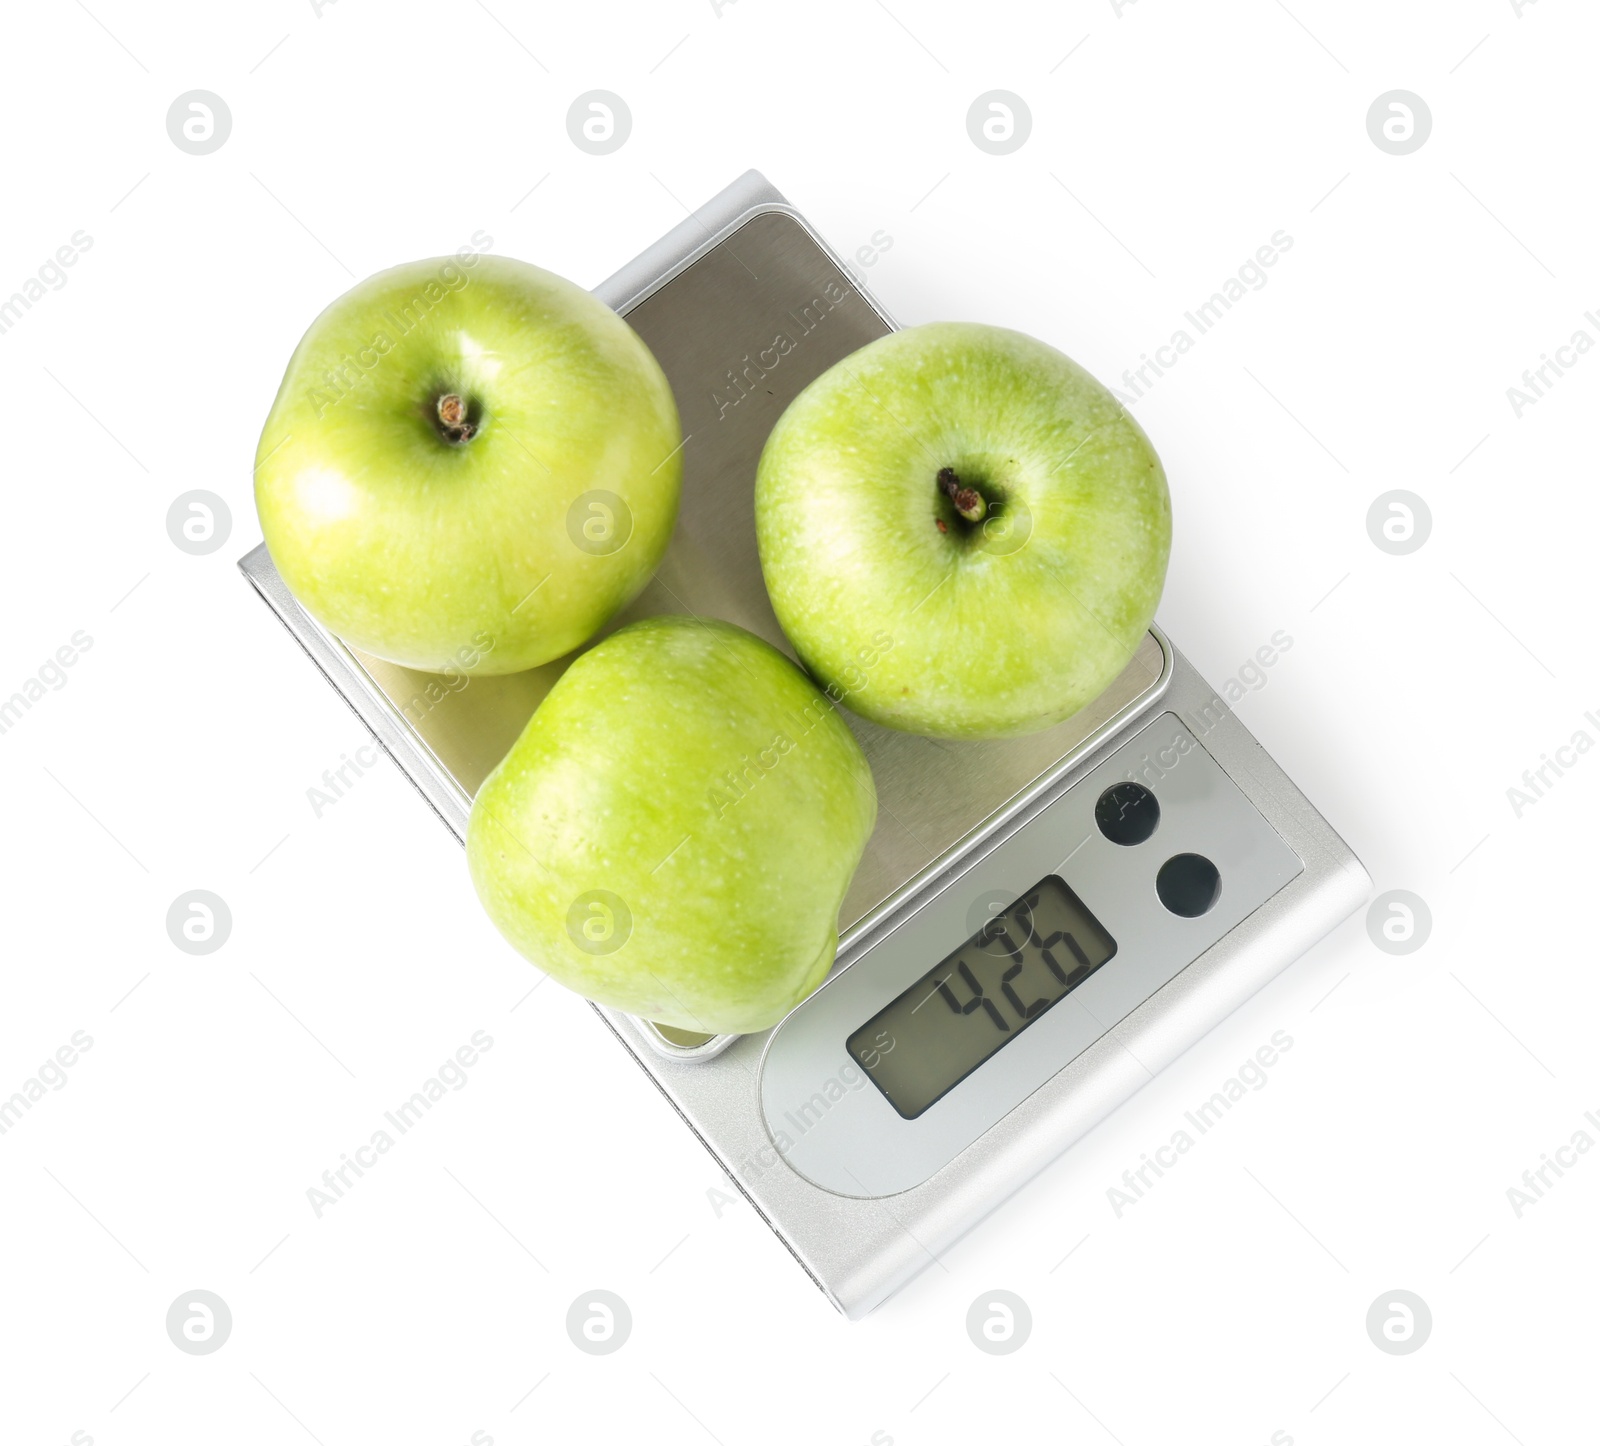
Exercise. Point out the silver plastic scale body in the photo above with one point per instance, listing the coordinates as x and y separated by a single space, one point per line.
1150 829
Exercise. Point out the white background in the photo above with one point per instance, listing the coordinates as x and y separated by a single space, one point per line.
1168 143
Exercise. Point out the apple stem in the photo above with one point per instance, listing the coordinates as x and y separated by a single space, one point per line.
452 410
968 501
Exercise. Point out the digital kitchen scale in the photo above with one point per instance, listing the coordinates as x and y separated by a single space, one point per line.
1038 925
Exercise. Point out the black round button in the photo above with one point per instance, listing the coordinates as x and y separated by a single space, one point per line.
1188 885
1127 813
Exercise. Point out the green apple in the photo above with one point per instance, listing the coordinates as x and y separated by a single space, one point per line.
674 832
471 465
984 502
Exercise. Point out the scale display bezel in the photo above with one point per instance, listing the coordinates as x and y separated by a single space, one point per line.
820 1111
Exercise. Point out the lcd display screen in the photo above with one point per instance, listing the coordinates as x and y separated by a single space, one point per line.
982 996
